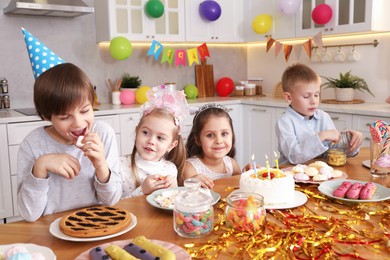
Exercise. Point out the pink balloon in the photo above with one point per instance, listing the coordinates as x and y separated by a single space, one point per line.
322 14
289 7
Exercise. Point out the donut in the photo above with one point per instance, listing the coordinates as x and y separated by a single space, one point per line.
116 252
354 191
139 252
367 191
342 189
97 253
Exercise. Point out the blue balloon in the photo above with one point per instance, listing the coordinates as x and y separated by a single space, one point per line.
210 10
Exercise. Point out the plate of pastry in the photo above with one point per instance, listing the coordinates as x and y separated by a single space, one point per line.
315 173
354 191
164 198
93 224
139 247
26 251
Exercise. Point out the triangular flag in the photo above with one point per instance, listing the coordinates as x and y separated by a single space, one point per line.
287 51
180 57
270 42
41 57
278 47
155 49
318 40
298 50
203 51
168 55
192 56
308 47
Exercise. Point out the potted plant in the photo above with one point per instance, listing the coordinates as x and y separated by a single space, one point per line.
129 83
346 85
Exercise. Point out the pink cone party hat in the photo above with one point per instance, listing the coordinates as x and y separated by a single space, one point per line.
41 57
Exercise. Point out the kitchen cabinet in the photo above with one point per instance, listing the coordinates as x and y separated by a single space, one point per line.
6 208
128 123
229 27
129 19
235 112
259 133
283 26
341 121
352 16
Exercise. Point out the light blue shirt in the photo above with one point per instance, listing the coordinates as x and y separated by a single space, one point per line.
298 140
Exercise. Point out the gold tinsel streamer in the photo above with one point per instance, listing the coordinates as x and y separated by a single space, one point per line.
326 229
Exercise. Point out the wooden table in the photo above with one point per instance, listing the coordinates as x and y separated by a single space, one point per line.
157 224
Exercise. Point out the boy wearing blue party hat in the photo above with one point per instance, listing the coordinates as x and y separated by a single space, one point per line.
72 163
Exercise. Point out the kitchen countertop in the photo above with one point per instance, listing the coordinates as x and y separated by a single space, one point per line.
369 108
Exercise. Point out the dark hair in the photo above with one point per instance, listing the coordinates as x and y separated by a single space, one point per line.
200 119
61 88
177 155
298 73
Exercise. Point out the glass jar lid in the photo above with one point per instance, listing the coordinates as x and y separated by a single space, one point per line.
194 198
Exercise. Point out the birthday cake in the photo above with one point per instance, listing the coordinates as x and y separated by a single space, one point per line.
276 187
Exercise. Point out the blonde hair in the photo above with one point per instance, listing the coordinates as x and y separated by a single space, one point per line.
298 73
177 155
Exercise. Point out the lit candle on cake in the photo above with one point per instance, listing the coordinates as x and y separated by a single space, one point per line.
267 167
276 160
254 163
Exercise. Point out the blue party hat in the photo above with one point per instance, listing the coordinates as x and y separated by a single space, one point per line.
41 57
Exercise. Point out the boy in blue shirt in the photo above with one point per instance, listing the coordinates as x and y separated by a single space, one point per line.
305 132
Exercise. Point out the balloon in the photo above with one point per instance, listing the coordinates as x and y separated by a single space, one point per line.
140 94
289 7
322 14
225 86
154 8
262 23
120 48
127 96
210 10
191 91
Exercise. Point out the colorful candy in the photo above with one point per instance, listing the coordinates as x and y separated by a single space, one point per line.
193 224
379 129
245 214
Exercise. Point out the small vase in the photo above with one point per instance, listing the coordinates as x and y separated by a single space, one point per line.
127 96
344 94
116 97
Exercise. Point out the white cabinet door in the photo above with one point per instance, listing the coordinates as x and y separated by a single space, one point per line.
128 123
341 121
283 26
235 112
348 17
259 133
129 19
6 208
227 28
113 121
362 124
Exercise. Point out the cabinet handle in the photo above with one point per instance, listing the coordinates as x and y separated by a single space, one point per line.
368 124
335 118
259 110
229 110
367 138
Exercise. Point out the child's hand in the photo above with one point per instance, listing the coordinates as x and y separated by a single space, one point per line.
155 182
206 182
330 135
171 181
62 164
356 140
93 148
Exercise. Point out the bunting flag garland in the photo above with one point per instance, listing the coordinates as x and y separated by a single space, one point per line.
155 49
288 48
168 55
180 57
193 55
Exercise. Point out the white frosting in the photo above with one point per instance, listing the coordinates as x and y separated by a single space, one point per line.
79 143
274 191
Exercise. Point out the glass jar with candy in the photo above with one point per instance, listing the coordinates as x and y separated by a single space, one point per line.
193 213
245 211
